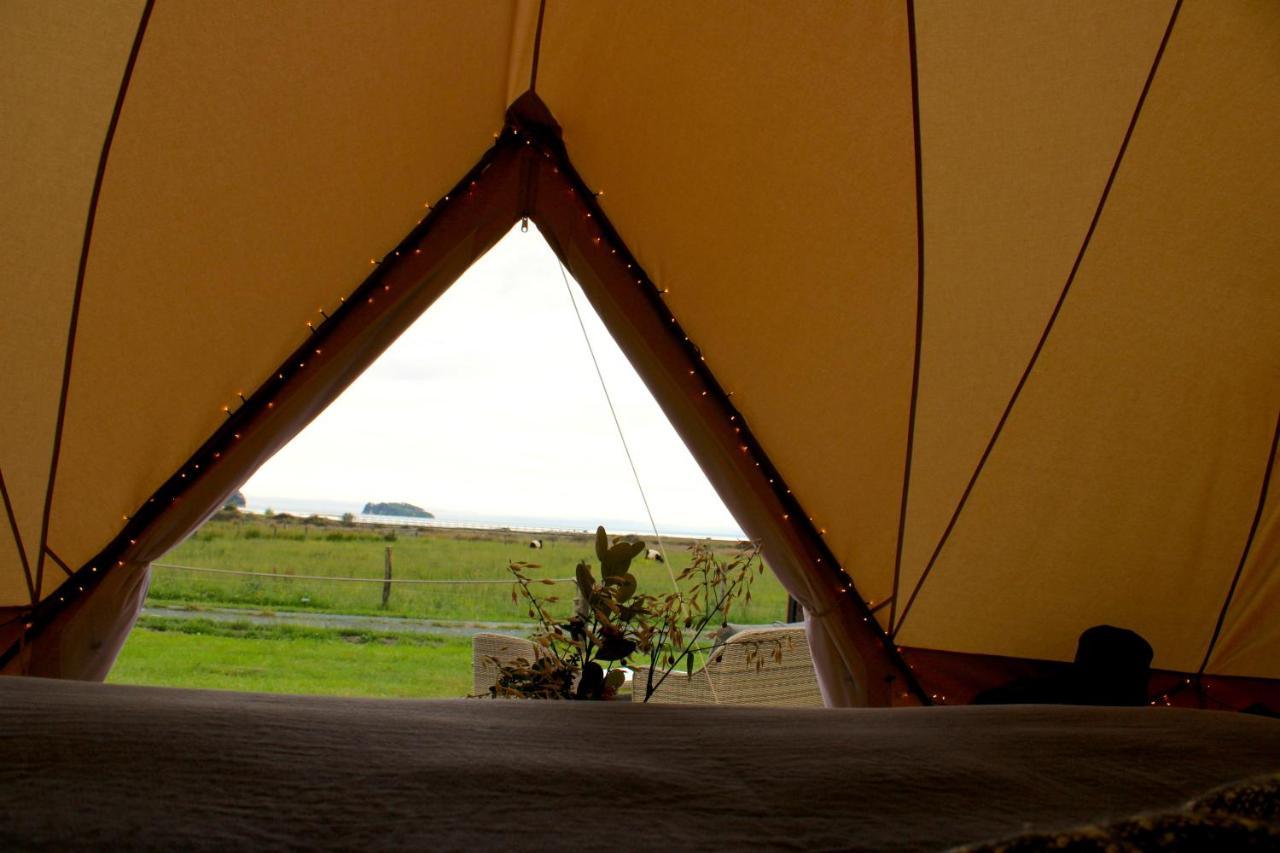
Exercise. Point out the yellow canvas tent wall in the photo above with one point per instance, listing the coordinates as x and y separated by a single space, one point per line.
969 311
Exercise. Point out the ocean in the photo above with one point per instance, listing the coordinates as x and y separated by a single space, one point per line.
447 518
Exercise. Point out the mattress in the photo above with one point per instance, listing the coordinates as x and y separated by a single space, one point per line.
94 765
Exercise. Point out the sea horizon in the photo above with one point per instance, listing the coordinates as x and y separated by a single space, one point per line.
334 508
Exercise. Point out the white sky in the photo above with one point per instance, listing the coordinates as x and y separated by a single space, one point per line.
489 405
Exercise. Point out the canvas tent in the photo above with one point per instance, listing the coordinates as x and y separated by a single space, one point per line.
969 312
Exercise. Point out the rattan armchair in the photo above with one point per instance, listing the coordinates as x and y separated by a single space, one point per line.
743 671
485 648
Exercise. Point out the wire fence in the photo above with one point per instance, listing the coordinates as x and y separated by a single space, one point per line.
286 576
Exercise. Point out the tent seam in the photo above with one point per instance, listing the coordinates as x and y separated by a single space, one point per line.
537 47
59 562
17 538
1248 546
915 369
78 293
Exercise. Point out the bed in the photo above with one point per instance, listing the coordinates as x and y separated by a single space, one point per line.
85 764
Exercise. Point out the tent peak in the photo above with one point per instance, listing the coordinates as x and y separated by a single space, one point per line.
529 114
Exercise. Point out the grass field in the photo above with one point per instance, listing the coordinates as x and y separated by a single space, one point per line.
289 659
286 659
286 551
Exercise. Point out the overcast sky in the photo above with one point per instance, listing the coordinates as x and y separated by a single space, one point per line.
489 405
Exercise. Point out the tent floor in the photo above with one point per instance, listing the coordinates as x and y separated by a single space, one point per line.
113 766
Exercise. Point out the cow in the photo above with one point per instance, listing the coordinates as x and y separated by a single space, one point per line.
535 543
654 554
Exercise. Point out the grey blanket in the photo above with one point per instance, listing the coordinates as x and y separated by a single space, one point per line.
107 766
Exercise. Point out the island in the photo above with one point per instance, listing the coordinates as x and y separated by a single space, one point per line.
236 501
402 510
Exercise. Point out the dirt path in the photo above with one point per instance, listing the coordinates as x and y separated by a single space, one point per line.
337 620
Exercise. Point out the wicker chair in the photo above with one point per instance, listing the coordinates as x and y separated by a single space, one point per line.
730 679
485 648
727 679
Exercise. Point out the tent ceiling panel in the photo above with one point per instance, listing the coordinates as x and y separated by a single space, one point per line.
267 152
1125 483
761 167
62 64
760 162
1023 108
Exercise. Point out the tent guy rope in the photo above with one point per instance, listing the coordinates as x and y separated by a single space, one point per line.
630 461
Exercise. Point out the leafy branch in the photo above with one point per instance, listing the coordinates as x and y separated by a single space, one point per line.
718 585
611 623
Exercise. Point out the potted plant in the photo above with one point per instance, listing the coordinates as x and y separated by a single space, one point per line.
611 622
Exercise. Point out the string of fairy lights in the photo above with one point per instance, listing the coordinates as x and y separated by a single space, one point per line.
706 386
376 293
247 412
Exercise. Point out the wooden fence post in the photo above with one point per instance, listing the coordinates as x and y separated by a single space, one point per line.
386 585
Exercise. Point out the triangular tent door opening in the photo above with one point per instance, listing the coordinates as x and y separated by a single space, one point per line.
490 409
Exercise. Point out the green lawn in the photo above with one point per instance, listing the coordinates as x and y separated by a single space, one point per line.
287 550
285 659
